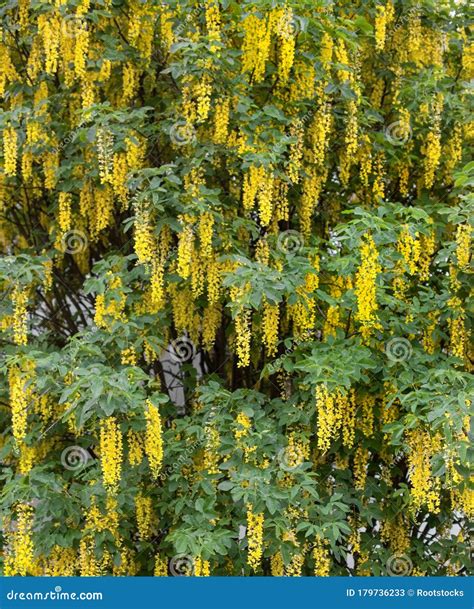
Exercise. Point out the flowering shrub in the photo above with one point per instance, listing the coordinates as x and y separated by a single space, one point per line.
235 274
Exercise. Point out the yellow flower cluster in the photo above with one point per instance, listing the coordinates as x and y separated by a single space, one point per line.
105 142
284 28
111 453
202 568
144 238
21 395
457 329
319 132
10 152
256 45
135 447
161 567
427 249
145 516
20 315
213 24
270 322
380 27
211 454
425 489
157 284
115 305
221 121
463 245
296 151
254 538
243 337
185 250
322 560
328 416
64 211
153 438
296 452
277 566
244 424
360 467
128 356
19 558
206 223
396 533
365 286
410 248
432 152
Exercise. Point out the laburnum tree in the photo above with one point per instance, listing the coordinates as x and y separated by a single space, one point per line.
235 275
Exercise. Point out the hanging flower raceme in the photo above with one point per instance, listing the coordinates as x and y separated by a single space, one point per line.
365 286
185 247
19 559
112 307
64 211
322 560
425 489
10 151
221 121
410 248
254 538
243 337
145 516
202 568
463 245
111 453
135 447
20 315
432 153
256 45
21 388
328 417
284 27
213 24
153 438
270 323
